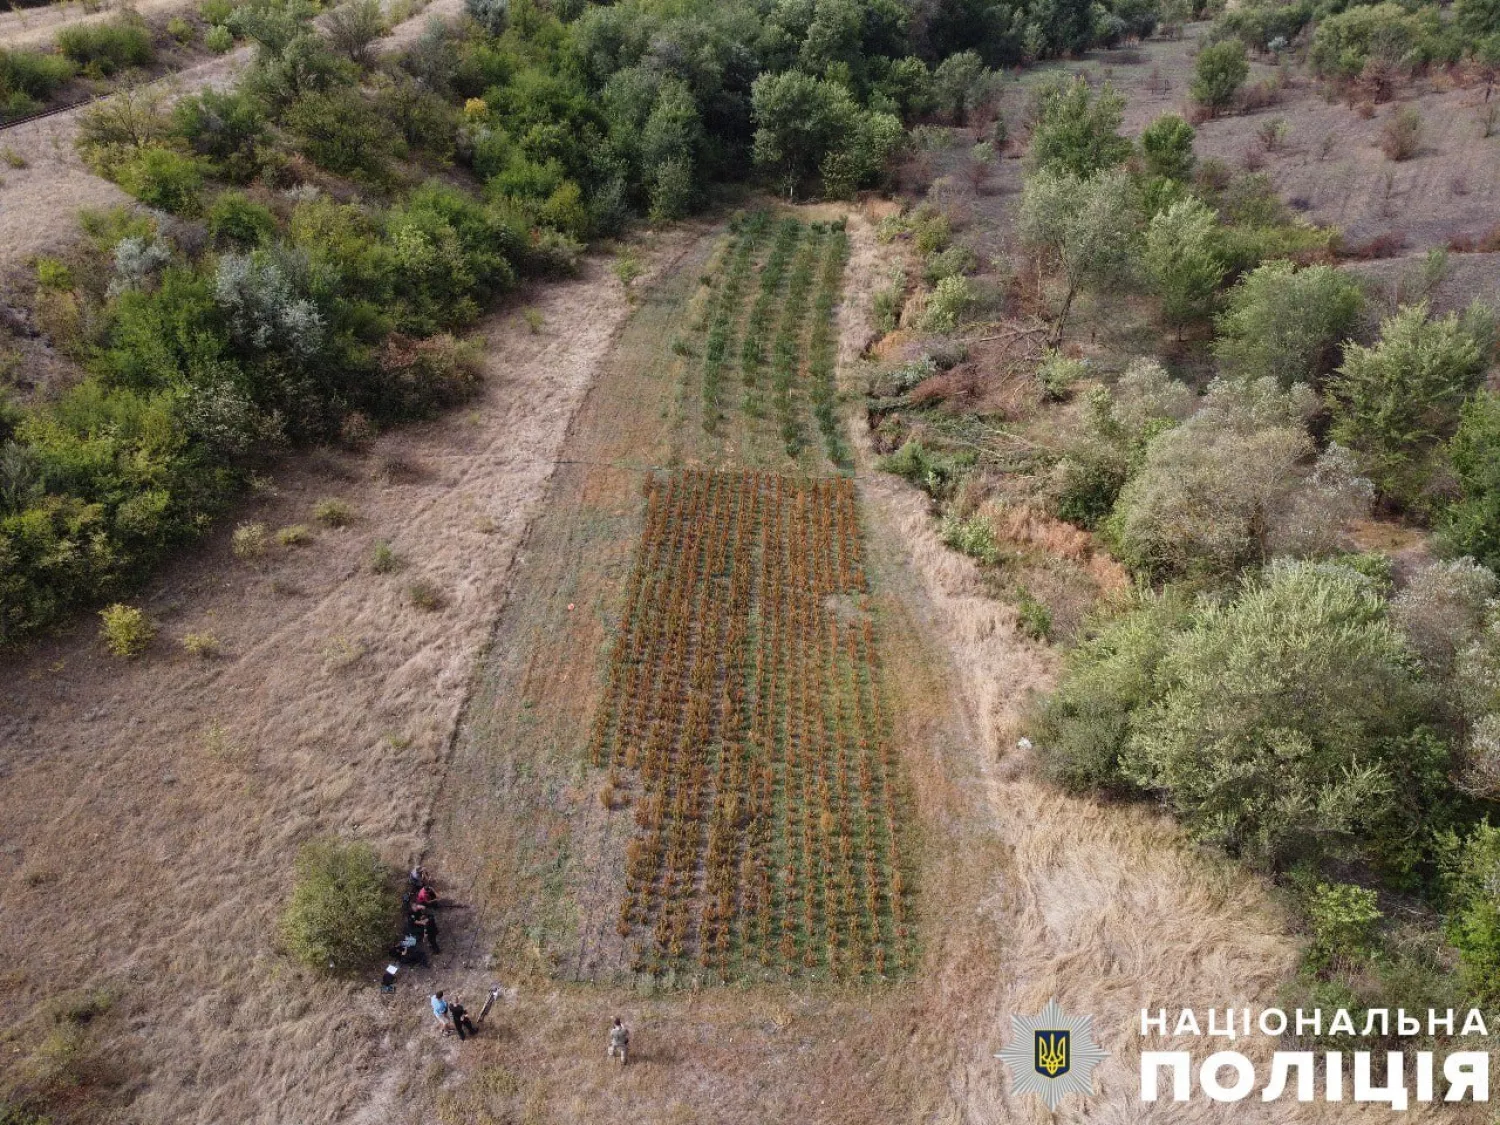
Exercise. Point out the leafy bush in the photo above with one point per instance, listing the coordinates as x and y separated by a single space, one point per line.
228 129
126 630
344 134
1218 74
1058 373
343 907
1033 618
1470 523
423 376
104 48
383 560
205 646
29 78
1167 144
1471 878
929 470
1108 682
1401 135
250 541
1181 262
1344 921
294 535
1290 724
1077 131
353 27
1395 403
163 178
1287 324
219 39
948 303
1231 488
334 512
426 595
1344 44
233 220
972 536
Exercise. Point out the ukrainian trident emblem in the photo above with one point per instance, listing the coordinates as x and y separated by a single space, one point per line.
1052 1054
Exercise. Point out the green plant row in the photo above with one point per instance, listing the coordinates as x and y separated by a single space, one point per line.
822 348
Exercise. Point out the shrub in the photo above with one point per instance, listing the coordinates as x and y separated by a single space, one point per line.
163 178
1470 523
225 128
1471 878
1344 43
202 645
426 595
1289 725
927 469
1395 403
250 541
424 376
1218 74
1033 618
947 304
972 536
353 26
343 133
1058 373
334 512
383 560
294 535
492 15
233 220
1344 919
219 39
126 630
1287 324
29 78
1076 131
181 30
1107 683
952 262
1167 144
1230 488
1180 260
104 48
1401 135
343 906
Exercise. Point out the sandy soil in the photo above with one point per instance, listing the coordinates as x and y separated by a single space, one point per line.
39 204
155 805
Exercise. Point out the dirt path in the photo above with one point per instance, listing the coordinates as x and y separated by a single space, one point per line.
156 805
39 203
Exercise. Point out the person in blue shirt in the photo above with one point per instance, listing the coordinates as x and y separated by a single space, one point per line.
440 1012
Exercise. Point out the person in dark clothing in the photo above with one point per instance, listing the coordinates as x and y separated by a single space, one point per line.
461 1021
422 923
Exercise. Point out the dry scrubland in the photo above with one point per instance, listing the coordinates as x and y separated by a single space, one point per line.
446 709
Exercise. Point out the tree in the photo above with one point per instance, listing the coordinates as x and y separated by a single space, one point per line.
343 906
799 120
1395 403
1470 525
1287 324
1233 486
1167 144
1085 228
1290 724
959 84
1477 19
1471 881
352 27
1184 270
1218 74
1077 131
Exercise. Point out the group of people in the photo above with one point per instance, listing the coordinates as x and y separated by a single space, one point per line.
420 905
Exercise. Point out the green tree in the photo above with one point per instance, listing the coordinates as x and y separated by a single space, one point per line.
1471 524
1477 19
1219 73
1180 260
1167 144
799 120
1395 403
1472 884
1076 130
343 907
1287 324
1290 723
959 84
1084 228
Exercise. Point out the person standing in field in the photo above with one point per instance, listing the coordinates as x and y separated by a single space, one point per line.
440 1011
619 1040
